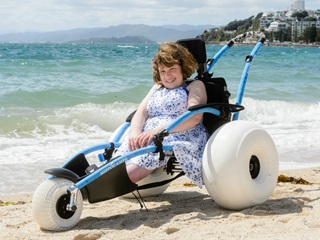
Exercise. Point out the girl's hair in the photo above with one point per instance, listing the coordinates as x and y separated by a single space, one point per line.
169 54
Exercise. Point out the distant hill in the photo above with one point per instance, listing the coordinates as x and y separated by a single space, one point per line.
186 27
123 40
153 33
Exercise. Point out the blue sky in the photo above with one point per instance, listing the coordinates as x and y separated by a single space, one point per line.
53 15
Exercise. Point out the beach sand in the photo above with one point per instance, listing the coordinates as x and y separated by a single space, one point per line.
182 212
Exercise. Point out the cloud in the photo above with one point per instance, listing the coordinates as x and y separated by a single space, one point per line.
51 15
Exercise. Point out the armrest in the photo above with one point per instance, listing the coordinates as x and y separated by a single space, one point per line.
219 106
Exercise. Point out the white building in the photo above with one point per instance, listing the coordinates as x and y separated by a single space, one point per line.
276 26
297 5
298 27
265 22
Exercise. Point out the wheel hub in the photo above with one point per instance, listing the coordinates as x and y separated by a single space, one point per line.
61 207
254 167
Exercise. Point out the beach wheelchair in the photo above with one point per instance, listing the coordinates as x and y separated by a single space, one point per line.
240 162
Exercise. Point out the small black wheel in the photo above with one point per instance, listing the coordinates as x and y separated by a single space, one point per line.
61 207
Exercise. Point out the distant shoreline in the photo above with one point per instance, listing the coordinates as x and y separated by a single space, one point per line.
210 43
268 44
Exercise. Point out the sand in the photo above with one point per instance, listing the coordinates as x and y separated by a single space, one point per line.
182 212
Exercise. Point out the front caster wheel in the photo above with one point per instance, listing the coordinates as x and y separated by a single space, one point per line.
49 205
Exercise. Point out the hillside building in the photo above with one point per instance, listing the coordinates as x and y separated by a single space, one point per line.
265 22
280 20
298 28
276 26
297 6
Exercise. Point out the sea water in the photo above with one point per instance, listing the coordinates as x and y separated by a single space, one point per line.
56 99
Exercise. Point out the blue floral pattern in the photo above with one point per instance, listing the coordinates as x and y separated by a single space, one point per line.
164 106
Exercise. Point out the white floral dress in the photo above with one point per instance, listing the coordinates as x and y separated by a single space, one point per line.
164 106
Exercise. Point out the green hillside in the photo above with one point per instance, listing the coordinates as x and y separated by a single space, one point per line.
232 29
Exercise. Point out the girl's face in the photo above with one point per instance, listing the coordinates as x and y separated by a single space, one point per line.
171 77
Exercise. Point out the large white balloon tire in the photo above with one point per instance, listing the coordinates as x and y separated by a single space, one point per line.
49 202
240 165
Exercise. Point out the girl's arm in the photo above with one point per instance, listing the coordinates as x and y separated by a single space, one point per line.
138 120
197 95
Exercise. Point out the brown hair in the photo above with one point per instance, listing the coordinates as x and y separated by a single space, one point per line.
169 54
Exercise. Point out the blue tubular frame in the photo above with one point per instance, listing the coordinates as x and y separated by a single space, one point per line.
226 47
249 60
218 55
108 166
244 75
121 131
188 114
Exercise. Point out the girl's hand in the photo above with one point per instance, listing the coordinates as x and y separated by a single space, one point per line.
142 140
133 141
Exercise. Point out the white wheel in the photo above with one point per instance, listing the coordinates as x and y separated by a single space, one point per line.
49 205
157 175
240 165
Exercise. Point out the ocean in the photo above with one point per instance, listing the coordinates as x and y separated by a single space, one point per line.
56 99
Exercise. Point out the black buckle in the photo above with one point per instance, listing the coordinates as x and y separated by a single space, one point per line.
108 152
158 139
248 58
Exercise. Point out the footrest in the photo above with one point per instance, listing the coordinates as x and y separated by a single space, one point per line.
112 184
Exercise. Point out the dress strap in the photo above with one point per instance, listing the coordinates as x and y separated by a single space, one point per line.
185 88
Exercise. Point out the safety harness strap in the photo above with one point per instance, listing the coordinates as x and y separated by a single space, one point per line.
161 183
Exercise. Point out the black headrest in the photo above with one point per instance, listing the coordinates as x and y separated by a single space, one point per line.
196 47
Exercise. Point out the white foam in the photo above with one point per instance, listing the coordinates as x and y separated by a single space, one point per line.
294 127
58 134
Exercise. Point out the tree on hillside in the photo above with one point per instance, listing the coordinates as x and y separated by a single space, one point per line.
310 19
310 34
300 15
232 29
256 22
238 25
318 36
283 35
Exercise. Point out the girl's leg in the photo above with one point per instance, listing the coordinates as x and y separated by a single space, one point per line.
137 173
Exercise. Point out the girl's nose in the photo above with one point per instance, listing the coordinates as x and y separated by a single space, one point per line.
167 75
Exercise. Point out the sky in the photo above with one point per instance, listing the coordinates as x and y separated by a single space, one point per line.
54 15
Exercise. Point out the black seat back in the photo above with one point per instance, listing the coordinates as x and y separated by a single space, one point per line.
197 48
217 91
